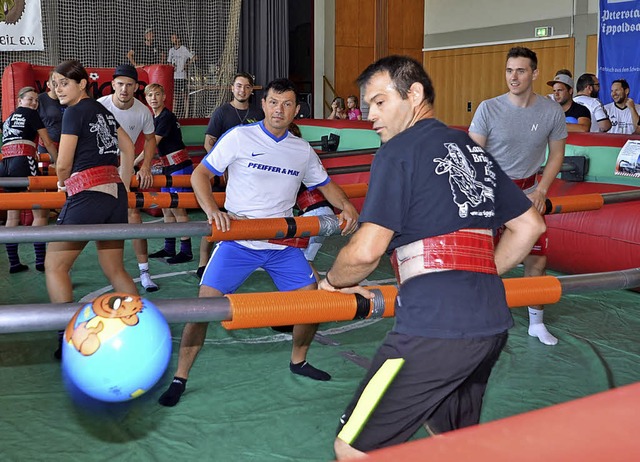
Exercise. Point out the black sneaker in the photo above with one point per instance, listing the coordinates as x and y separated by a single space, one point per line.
180 257
162 254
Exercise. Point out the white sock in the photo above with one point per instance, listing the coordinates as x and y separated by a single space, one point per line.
143 267
538 329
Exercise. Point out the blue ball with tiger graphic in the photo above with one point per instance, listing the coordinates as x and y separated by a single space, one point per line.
116 348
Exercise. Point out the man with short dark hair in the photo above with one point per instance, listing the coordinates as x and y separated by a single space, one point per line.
434 199
587 90
623 111
577 116
147 52
517 128
266 166
236 112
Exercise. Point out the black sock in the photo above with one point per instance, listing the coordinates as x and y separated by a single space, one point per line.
12 253
58 353
306 369
40 249
170 245
185 246
180 257
174 392
18 268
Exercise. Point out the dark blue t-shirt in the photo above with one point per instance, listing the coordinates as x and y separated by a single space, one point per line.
23 124
226 117
431 180
167 126
50 111
97 131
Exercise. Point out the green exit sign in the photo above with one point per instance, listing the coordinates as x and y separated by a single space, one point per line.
541 32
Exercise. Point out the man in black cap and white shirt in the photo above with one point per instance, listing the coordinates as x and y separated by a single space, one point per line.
135 118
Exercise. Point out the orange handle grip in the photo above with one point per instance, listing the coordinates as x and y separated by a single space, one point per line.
269 228
579 203
302 307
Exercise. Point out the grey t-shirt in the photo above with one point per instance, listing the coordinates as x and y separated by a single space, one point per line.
517 137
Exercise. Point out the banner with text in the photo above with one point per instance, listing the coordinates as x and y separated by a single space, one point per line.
21 25
618 50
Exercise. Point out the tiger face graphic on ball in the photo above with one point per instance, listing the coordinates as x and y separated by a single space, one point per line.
105 318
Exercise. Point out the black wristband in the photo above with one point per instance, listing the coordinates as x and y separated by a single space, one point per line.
326 276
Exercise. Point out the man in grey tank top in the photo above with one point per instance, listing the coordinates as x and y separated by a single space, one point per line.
516 129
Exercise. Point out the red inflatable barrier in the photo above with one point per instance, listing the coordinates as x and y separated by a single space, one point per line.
20 74
601 240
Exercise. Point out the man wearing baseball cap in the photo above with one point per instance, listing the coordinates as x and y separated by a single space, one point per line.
135 118
577 116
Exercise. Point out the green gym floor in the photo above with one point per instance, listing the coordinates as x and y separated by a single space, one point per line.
243 404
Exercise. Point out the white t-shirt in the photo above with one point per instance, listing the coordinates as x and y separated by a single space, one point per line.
620 119
595 107
179 57
135 120
265 173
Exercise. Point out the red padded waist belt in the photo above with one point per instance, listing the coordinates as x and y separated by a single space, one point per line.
91 177
299 242
463 250
526 183
174 158
308 198
18 149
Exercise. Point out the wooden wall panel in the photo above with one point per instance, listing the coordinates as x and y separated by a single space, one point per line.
347 29
355 37
406 26
592 54
366 18
471 75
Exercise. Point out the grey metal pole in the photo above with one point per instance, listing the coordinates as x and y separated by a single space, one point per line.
55 316
110 232
43 317
621 196
329 226
578 283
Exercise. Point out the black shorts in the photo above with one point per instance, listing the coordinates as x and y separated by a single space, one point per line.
94 207
18 167
415 380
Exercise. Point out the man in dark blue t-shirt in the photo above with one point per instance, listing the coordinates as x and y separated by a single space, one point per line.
435 198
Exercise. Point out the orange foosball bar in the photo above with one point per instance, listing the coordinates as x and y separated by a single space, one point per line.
258 228
239 311
55 200
36 183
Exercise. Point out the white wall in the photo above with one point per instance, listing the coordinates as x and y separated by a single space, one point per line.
454 15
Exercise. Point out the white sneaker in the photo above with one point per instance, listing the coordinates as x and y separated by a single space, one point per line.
147 283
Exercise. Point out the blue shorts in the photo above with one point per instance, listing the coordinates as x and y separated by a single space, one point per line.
94 208
188 170
231 264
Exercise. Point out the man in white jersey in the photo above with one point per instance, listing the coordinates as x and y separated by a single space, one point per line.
516 128
135 118
623 111
266 166
587 89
